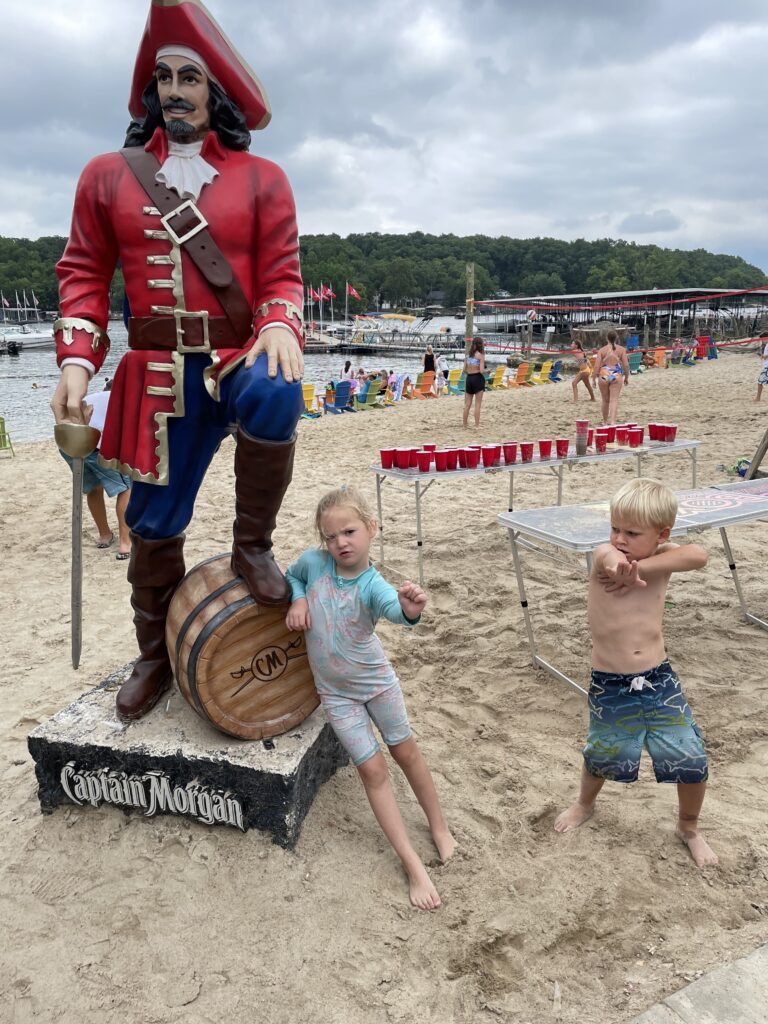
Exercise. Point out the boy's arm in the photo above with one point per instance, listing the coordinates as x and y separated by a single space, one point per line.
606 558
673 558
396 606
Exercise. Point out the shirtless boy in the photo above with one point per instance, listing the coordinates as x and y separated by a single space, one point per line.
632 705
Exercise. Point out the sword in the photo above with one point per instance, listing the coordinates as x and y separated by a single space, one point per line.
77 440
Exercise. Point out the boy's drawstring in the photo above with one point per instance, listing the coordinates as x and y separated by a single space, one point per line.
639 683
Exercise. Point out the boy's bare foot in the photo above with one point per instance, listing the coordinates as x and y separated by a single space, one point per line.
424 895
574 816
702 853
445 844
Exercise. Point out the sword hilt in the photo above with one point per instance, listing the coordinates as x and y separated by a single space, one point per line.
76 439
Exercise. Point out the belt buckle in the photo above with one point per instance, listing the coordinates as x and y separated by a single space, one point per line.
200 226
181 314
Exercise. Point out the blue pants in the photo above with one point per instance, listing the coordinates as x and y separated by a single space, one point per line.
265 407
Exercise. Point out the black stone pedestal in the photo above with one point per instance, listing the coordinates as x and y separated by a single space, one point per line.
171 762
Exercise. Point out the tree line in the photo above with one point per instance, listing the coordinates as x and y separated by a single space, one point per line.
417 268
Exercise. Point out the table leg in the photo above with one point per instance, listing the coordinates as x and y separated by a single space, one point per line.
639 464
693 467
538 661
381 519
560 469
511 490
732 566
418 533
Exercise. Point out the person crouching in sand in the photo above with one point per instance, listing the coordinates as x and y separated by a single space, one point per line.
338 596
632 705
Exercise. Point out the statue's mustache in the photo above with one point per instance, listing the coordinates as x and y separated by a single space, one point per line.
178 105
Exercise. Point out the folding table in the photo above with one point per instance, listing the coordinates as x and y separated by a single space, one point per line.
582 528
421 482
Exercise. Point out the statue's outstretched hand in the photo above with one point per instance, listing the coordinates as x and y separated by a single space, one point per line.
68 402
281 347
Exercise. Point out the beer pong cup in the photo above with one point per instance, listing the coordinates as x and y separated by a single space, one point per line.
429 447
414 458
461 455
582 426
635 437
425 461
441 460
545 449
661 431
670 431
473 458
403 458
488 453
453 458
653 431
497 455
387 457
526 451
590 438
510 452
561 447
611 433
622 434
601 440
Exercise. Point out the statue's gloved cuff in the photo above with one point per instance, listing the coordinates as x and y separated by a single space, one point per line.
74 361
77 338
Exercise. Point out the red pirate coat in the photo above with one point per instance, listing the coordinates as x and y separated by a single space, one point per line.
251 216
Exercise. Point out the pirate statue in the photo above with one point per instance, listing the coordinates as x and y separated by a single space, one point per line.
206 237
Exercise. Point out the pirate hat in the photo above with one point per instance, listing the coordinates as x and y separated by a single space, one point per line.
188 24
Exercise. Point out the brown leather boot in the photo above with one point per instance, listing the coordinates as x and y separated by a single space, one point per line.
263 470
155 570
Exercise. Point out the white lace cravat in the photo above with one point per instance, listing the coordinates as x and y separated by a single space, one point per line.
185 171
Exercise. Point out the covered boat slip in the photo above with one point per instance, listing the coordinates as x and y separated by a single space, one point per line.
422 481
581 528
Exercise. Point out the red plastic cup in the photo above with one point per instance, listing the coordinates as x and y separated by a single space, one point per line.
670 431
622 434
510 452
425 461
561 447
488 453
461 456
429 447
473 458
653 431
526 451
635 437
453 458
611 433
441 460
590 438
414 458
497 455
545 450
403 458
582 426
601 440
387 457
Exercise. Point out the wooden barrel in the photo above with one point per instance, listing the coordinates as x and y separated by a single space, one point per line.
236 662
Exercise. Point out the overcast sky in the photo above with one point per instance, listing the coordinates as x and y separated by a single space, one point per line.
635 119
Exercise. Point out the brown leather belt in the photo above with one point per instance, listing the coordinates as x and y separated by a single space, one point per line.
148 332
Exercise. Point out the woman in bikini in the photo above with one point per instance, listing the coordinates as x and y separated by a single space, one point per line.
611 371
582 371
474 370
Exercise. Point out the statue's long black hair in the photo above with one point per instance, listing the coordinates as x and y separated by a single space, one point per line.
227 119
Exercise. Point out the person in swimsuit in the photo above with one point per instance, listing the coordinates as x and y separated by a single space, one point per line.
582 371
611 371
337 598
474 370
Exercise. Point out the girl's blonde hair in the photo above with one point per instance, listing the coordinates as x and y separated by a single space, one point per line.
644 502
342 497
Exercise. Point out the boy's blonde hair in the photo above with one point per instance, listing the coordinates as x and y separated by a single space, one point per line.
342 497
645 502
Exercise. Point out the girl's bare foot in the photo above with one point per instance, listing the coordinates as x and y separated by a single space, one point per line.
574 816
445 844
702 853
423 894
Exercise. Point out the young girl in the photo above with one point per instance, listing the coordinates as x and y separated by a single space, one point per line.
582 371
474 369
611 371
338 597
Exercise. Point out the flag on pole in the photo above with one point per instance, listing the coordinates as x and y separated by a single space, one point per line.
35 303
327 293
6 303
351 291
315 296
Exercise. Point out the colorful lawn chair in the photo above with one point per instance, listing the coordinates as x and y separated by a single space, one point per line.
520 380
497 380
542 377
371 398
554 373
5 439
311 410
660 358
457 385
341 399
635 360
424 387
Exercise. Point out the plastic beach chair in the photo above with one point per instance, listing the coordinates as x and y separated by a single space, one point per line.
635 360
5 439
542 377
372 397
341 399
425 385
554 373
519 380
660 357
458 385
497 380
311 411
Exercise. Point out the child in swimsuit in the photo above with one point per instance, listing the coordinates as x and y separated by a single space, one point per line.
338 596
635 698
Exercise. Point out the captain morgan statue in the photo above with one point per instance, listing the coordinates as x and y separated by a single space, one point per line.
206 236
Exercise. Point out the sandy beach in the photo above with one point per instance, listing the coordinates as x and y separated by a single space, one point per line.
112 918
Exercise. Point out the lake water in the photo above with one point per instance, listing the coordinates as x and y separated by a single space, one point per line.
26 408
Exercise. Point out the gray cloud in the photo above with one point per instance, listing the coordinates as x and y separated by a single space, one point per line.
518 117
